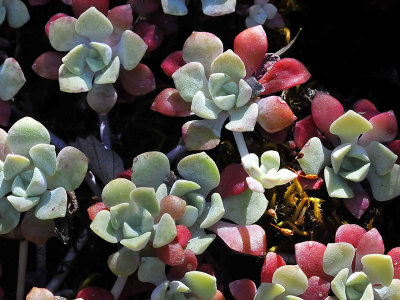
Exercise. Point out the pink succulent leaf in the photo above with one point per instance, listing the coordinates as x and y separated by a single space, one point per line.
248 239
47 64
79 6
304 130
309 184
365 108
202 47
251 45
384 129
170 103
370 243
172 63
167 23
138 81
171 254
189 264
51 20
395 255
150 33
309 257
395 148
318 289
38 2
218 8
272 262
243 118
243 289
5 112
93 293
102 97
121 18
141 7
325 109
278 137
233 181
274 114
203 134
276 22
360 202
349 233
284 74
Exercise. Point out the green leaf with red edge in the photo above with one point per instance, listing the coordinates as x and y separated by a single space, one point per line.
248 239
170 103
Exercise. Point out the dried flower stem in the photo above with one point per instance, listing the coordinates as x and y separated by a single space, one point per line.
23 255
240 143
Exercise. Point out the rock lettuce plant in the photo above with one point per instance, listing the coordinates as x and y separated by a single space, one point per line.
11 79
16 12
33 179
210 8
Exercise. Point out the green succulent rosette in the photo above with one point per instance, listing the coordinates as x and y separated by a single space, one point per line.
33 177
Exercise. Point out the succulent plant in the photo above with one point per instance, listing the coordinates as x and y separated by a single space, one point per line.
360 155
260 12
11 79
32 177
16 12
210 8
98 46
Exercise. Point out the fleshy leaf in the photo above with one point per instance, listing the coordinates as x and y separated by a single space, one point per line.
233 181
199 240
202 285
75 60
309 257
388 292
119 214
23 204
317 289
379 268
245 208
110 74
172 63
138 81
365 108
337 186
165 231
137 243
274 114
384 129
9 216
218 8
349 233
93 25
102 226
271 263
11 79
18 13
130 49
204 107
248 239
338 284
44 157
52 204
35 230
229 63
315 156
243 289
243 118
174 7
151 269
101 98
62 34
151 34
13 165
118 191
172 254
385 187
350 126
37 184
284 74
124 262
360 202
395 255
182 187
189 217
291 278
269 291
146 198
338 256
381 157
120 17
370 243
170 103
200 168
215 212
71 83
150 169
304 130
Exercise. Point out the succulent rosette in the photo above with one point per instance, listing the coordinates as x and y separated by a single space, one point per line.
264 12
15 11
100 49
33 178
209 7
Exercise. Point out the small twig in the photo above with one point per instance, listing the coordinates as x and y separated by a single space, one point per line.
288 46
177 151
118 287
105 131
23 255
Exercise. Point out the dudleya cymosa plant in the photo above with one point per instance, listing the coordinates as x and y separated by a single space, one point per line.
15 11
32 177
352 161
211 8
267 175
97 48
11 79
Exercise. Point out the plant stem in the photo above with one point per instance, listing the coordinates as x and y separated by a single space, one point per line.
23 255
118 287
240 143
177 151
105 131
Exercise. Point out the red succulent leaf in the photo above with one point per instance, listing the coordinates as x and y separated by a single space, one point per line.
150 33
243 289
309 257
349 233
127 174
318 289
94 293
47 64
365 108
370 243
251 45
304 130
172 63
143 7
395 255
182 235
278 137
138 81
170 103
219 296
272 262
206 268
233 181
95 209
189 264
359 203
121 17
274 114
79 6
51 20
284 74
5 112
384 129
309 184
172 254
395 148
248 239
325 109
166 23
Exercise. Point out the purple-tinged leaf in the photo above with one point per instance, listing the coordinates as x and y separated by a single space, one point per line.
384 129
309 184
274 114
138 81
365 108
304 130
243 289
233 181
318 289
172 63
121 18
284 74
370 243
80 6
248 239
167 23
360 202
47 64
145 7
150 33
170 103
395 148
